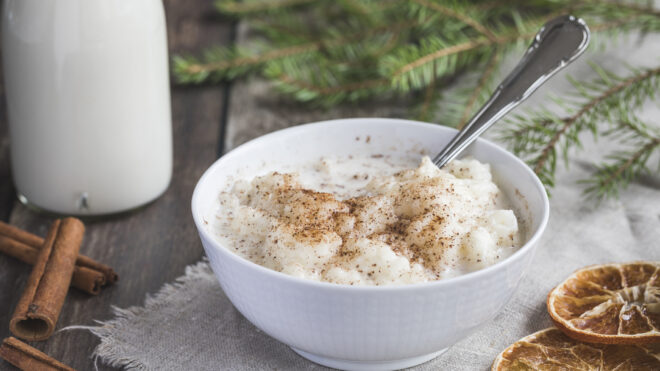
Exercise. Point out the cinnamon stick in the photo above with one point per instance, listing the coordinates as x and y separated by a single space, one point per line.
26 357
39 307
89 275
84 278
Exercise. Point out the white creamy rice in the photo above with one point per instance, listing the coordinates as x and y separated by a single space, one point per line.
369 220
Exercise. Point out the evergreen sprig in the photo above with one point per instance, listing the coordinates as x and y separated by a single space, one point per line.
542 137
330 52
624 165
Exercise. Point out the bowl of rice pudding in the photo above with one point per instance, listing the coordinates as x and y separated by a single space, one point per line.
344 241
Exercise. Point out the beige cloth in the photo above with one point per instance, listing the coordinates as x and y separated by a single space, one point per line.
191 325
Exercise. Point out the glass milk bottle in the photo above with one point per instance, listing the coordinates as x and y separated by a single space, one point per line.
88 102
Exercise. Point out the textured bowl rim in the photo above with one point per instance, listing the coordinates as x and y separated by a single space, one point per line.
529 245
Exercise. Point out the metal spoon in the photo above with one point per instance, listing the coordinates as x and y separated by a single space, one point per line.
558 43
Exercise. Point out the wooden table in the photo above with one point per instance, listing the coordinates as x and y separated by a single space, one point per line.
148 247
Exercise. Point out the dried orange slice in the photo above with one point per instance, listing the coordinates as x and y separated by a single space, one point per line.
609 304
552 350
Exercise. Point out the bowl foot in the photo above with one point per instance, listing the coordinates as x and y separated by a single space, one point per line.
344 364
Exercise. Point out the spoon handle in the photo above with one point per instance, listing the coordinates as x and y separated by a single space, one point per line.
558 43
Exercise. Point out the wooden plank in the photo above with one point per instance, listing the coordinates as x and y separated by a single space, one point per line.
153 245
6 186
9 270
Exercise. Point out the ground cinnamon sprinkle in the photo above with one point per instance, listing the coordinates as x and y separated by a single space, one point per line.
416 225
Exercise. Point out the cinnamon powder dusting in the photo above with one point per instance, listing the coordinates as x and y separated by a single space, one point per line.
416 225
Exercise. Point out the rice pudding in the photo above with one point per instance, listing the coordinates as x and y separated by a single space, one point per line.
369 219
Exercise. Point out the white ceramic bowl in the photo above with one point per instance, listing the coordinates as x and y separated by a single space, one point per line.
365 328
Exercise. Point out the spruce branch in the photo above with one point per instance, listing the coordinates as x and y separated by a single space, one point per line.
461 16
220 64
457 33
229 63
411 66
541 136
310 80
433 57
597 101
446 56
624 166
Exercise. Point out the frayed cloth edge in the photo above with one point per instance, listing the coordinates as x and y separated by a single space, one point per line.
109 350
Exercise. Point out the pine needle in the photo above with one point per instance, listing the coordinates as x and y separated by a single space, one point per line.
326 53
541 136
